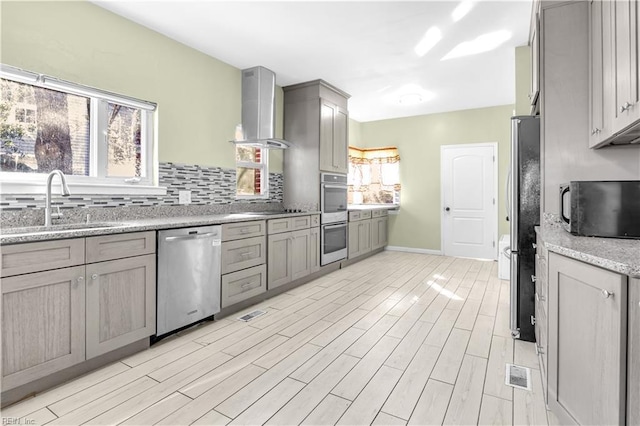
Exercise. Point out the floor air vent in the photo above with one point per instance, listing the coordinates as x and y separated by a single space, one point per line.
518 377
251 315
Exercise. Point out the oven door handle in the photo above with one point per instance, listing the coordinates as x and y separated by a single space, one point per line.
334 186
342 225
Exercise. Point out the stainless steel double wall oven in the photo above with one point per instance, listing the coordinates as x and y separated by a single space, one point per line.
333 206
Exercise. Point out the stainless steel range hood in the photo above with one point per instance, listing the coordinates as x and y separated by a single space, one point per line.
258 109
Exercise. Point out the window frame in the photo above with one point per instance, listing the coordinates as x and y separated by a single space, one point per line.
97 182
263 166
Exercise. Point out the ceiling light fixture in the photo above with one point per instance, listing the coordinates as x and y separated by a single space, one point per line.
481 44
461 10
412 94
430 39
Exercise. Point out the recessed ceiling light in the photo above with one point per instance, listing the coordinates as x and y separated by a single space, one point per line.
430 39
461 10
483 43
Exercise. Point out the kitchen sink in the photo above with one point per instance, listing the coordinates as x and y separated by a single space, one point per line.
60 227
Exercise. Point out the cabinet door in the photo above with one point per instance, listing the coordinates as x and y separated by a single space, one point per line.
279 260
633 380
627 96
378 232
43 316
535 61
598 131
341 141
327 122
354 239
121 296
587 341
314 249
300 265
365 236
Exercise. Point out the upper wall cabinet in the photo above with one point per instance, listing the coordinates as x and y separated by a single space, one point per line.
534 43
614 74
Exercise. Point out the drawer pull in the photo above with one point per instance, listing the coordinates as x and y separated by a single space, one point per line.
606 294
539 298
246 253
533 278
534 245
244 231
94 276
246 285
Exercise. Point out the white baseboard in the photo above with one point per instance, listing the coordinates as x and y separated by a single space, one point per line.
413 250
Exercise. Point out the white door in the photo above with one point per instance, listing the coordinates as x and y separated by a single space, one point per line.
469 215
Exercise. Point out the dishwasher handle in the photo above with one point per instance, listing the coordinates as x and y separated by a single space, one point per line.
190 237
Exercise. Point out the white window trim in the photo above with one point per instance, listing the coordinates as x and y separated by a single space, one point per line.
264 176
26 183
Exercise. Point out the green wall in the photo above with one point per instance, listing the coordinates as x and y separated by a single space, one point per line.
523 80
355 133
417 225
198 96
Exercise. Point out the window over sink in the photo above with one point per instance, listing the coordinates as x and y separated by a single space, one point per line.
103 142
252 172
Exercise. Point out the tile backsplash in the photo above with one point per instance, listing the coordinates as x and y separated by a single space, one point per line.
208 186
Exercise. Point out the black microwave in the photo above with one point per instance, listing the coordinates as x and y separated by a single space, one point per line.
601 208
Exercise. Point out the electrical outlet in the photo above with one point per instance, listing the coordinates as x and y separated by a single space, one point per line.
184 197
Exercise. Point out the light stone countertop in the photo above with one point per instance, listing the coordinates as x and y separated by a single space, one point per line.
615 254
25 235
352 207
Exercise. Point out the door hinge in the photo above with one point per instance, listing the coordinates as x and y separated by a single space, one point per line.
494 158
533 320
494 201
494 243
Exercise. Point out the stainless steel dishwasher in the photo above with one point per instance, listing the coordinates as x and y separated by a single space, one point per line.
188 276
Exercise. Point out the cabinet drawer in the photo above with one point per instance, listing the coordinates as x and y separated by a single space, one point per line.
236 231
242 254
110 247
300 222
355 216
365 214
241 285
378 213
276 226
19 259
315 220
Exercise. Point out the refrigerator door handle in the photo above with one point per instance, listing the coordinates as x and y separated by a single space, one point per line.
514 311
507 194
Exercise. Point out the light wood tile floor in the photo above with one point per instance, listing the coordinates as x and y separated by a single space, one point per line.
396 339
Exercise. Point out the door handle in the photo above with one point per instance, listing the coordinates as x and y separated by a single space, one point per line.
447 209
190 237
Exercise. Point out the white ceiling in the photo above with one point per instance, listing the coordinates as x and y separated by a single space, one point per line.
365 48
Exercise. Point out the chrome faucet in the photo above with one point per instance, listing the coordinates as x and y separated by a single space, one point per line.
48 215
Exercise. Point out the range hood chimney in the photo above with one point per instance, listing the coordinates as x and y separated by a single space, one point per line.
258 109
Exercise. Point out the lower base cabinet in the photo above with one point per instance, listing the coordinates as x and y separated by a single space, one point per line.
241 285
587 343
43 328
359 238
54 319
379 237
633 360
121 303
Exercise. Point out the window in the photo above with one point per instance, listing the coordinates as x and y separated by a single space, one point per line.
102 141
374 176
252 173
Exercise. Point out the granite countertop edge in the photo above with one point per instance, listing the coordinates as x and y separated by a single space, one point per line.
617 255
139 225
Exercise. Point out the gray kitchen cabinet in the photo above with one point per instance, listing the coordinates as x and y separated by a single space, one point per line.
242 254
241 285
587 342
43 324
19 259
633 360
240 230
119 246
314 249
121 303
534 42
541 327
613 63
379 232
334 143
359 238
316 123
291 255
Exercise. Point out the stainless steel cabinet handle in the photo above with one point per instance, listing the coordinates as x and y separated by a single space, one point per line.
533 278
80 279
595 131
539 298
606 294
245 285
94 276
534 245
245 253
244 231
533 320
625 107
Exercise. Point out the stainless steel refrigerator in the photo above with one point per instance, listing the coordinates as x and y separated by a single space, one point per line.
524 215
